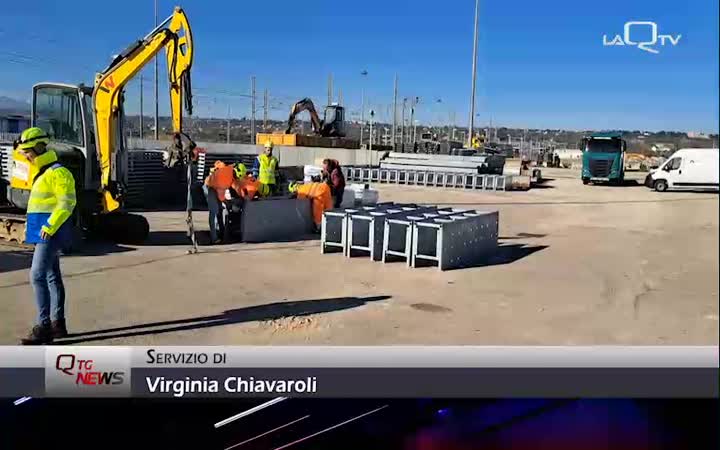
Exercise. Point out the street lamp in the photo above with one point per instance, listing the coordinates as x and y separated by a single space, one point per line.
474 76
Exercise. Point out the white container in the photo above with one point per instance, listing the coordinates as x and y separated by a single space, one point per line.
311 171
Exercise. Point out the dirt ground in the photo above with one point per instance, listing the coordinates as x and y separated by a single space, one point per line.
576 265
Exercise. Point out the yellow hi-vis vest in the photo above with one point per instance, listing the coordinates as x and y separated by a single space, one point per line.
52 198
268 166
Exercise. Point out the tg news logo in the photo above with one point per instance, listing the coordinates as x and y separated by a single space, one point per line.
87 371
83 371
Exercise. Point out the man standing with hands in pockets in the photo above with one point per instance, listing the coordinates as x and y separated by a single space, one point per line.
50 206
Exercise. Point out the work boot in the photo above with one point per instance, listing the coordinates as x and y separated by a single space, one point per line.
58 329
40 335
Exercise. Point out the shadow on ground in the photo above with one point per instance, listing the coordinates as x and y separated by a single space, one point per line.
522 236
166 238
163 207
543 183
98 248
22 259
624 183
271 311
15 260
509 253
504 254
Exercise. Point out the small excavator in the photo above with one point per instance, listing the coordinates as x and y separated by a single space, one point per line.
85 126
332 125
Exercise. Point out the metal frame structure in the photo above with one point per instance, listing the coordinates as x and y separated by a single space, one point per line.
365 228
455 241
424 177
451 238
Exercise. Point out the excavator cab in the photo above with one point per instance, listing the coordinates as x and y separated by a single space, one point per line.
64 112
333 123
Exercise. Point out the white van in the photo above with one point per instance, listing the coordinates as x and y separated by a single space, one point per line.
690 169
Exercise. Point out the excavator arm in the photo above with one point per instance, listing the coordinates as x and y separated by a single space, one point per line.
173 35
304 105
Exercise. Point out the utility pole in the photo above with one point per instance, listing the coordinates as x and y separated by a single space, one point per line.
142 125
330 89
452 124
362 114
157 109
372 115
474 75
402 126
252 113
394 121
413 102
265 110
227 139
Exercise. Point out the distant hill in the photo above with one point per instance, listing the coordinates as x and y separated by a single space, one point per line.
12 106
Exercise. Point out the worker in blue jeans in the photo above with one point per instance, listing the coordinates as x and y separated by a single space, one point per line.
215 215
216 184
49 226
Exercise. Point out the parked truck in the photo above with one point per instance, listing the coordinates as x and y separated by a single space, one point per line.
603 158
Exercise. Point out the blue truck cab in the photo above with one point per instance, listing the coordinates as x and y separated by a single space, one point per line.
603 158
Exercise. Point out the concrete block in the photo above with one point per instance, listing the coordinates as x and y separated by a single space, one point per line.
276 219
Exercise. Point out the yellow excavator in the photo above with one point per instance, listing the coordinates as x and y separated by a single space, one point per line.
85 126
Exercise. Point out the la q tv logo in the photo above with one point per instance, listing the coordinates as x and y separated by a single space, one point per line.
84 372
635 33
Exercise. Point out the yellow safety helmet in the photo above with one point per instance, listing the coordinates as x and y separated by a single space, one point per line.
30 138
268 144
240 170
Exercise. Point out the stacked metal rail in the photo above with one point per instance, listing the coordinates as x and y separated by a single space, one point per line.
149 182
447 237
427 178
482 163
206 161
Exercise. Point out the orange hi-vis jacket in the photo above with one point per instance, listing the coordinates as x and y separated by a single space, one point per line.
247 187
321 198
220 179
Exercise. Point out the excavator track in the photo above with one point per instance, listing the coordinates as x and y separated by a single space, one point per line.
119 227
12 228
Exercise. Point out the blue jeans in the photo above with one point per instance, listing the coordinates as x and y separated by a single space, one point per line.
215 213
47 282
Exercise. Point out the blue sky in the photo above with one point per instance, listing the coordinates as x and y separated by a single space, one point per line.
541 63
